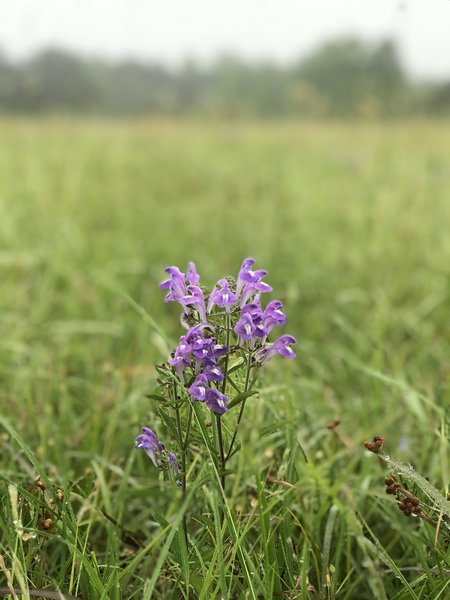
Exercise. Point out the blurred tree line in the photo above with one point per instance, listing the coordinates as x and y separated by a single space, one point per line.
342 78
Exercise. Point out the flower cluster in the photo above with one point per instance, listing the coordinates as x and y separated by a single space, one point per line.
197 358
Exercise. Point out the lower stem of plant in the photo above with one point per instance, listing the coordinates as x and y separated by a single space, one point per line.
182 445
241 412
222 452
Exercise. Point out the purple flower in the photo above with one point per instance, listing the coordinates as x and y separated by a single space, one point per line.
222 296
245 327
196 331
199 388
196 299
216 401
182 357
282 346
213 373
156 450
273 315
249 281
175 284
150 444
250 325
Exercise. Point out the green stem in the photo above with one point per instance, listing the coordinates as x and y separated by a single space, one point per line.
241 412
188 428
225 370
182 447
219 420
222 451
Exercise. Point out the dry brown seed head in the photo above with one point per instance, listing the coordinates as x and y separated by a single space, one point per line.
47 524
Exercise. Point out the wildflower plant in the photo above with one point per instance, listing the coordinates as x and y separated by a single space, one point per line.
214 369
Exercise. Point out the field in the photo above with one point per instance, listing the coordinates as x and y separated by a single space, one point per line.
352 222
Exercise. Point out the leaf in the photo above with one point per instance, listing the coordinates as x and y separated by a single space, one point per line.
240 398
156 397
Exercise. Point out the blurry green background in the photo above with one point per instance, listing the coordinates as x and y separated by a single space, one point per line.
351 220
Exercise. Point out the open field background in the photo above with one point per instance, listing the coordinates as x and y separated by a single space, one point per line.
353 224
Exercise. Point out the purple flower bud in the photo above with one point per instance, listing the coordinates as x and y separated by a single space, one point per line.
216 401
282 346
150 444
173 463
192 276
222 296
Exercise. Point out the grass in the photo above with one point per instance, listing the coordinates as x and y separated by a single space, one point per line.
352 223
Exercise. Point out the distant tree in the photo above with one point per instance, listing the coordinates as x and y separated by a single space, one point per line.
350 74
56 80
341 78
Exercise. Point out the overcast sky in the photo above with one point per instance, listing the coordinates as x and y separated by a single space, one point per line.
171 30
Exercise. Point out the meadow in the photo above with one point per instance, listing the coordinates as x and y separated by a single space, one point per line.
352 222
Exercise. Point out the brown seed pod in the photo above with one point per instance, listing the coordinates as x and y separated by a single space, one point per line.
47 524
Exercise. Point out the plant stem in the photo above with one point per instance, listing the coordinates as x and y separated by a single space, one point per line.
182 447
241 412
219 420
222 451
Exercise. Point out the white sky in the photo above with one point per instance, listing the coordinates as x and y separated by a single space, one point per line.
281 30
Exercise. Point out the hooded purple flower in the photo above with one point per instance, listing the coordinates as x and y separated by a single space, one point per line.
216 401
249 281
195 299
213 373
175 284
250 325
281 346
273 315
156 450
222 296
199 388
150 444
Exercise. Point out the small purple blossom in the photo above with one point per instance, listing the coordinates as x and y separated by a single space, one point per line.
196 299
281 346
199 387
156 450
222 296
175 284
245 328
250 325
249 281
216 401
150 444
213 373
273 315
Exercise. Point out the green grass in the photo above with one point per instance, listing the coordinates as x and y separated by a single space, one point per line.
353 224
